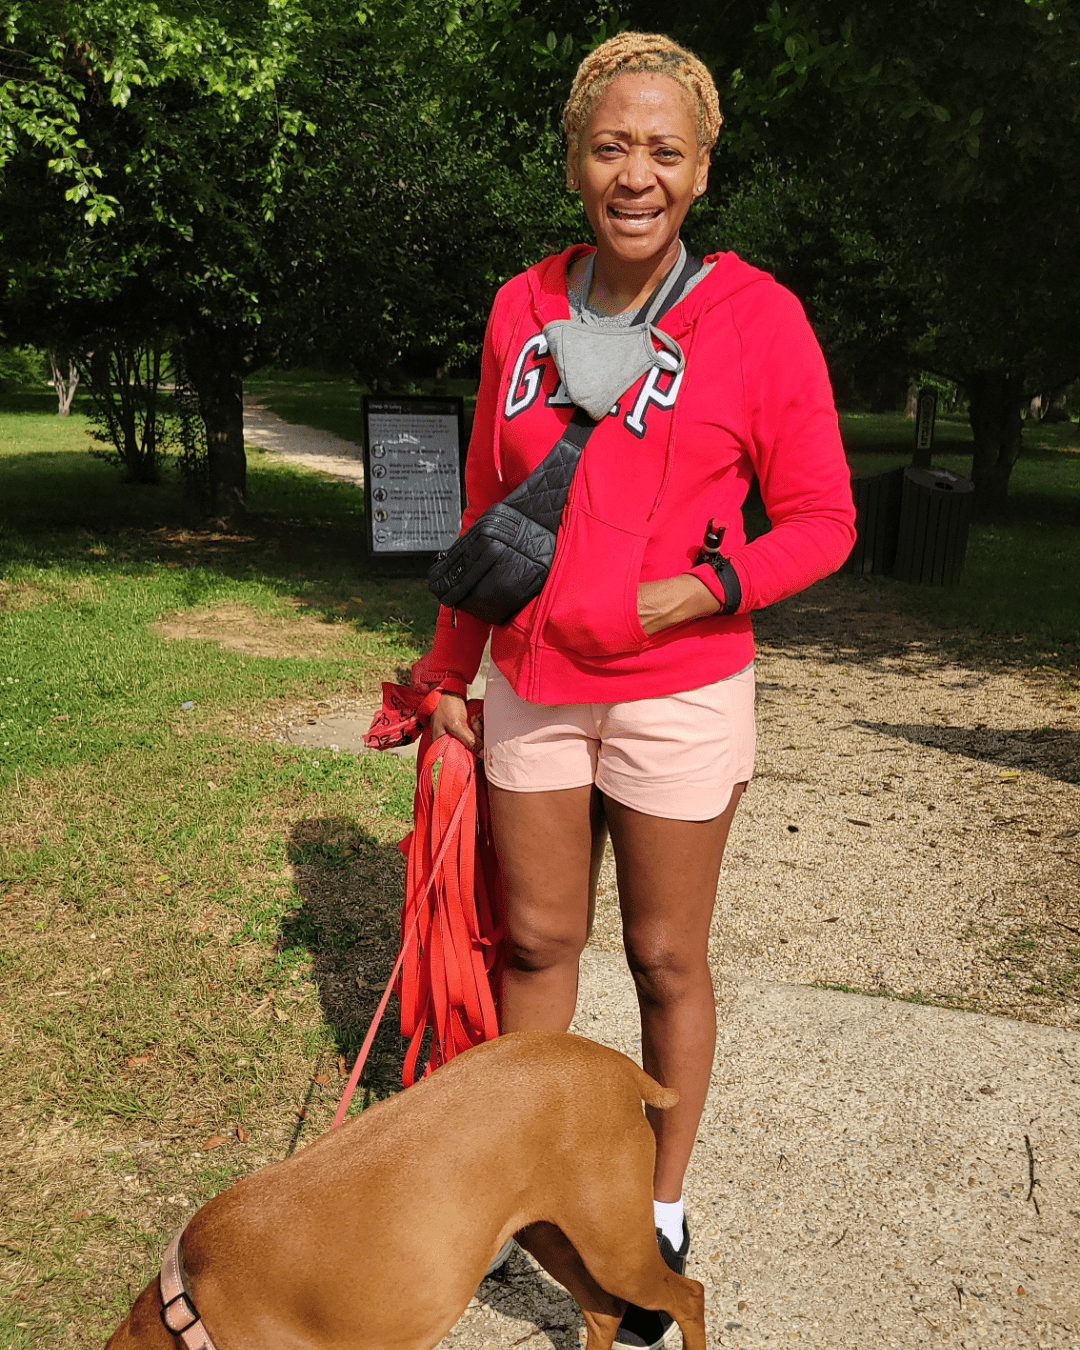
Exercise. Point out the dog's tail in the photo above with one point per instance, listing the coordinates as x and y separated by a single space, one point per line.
653 1094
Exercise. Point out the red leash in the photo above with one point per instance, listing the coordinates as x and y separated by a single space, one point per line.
449 959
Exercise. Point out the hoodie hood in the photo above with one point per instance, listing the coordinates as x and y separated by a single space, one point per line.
547 302
727 275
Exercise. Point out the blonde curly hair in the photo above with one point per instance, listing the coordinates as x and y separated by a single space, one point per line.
636 53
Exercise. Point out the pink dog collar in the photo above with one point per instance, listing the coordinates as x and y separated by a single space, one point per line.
180 1316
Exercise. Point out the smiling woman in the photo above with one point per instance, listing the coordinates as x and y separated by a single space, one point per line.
638 150
621 697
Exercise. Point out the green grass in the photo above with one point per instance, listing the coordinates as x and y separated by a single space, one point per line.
889 433
49 482
195 919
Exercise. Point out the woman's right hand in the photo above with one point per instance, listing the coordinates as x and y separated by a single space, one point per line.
451 718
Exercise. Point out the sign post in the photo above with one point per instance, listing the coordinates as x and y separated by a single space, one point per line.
414 462
925 417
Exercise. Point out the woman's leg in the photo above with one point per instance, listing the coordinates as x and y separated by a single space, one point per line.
550 845
668 872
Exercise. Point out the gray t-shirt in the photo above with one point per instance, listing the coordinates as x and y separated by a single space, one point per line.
598 319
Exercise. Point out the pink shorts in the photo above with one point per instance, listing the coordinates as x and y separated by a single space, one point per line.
678 757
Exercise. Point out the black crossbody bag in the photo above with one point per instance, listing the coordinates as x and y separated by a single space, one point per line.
503 559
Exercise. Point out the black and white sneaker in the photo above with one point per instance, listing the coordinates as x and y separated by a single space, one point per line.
641 1328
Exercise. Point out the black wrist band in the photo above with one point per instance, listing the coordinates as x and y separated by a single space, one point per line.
729 579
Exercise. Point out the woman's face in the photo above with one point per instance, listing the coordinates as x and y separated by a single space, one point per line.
638 166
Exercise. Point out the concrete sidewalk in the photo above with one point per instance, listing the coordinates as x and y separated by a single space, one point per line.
861 1177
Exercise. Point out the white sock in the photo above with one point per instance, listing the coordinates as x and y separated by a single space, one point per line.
668 1217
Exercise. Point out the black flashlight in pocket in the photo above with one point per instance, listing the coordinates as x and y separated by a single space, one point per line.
710 545
709 553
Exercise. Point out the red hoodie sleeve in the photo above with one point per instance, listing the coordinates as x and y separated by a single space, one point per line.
793 438
458 648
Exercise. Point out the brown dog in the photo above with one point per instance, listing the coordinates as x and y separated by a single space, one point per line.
380 1232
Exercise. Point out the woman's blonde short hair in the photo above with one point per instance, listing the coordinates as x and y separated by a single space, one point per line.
636 53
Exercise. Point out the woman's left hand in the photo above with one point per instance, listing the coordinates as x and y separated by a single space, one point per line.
673 600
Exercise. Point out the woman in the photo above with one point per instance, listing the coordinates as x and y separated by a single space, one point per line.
621 698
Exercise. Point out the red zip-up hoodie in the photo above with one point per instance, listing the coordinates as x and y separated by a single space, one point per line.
754 397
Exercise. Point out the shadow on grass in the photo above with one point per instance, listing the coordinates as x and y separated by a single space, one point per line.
993 621
303 537
350 888
1051 751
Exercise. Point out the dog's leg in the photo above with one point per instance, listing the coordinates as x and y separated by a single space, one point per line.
556 1254
633 1270
644 1278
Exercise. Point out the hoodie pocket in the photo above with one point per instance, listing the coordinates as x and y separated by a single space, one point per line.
594 608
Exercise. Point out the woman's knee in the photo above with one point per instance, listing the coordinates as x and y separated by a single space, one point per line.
663 973
535 945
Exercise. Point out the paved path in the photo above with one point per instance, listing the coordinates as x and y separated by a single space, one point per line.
318 450
861 1177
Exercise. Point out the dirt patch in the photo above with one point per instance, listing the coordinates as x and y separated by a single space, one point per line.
15 595
912 827
239 628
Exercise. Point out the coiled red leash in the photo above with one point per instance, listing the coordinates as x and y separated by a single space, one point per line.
448 964
447 986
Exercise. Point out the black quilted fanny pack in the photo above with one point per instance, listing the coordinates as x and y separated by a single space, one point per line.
503 559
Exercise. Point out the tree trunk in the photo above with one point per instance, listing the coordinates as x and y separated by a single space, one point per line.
65 384
996 398
1058 405
911 404
216 373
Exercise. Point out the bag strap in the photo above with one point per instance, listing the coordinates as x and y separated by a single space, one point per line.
690 266
542 496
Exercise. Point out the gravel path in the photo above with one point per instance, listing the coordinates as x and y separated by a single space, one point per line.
318 450
914 825
863 1172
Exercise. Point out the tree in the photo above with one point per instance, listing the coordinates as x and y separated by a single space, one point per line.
262 181
123 121
65 375
940 140
19 365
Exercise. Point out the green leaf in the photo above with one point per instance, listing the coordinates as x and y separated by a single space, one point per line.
942 114
552 42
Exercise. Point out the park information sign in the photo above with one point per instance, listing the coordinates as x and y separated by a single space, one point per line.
413 468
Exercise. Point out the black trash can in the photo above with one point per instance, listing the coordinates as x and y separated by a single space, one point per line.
877 523
935 512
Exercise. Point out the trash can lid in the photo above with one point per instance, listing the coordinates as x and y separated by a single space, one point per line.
941 479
